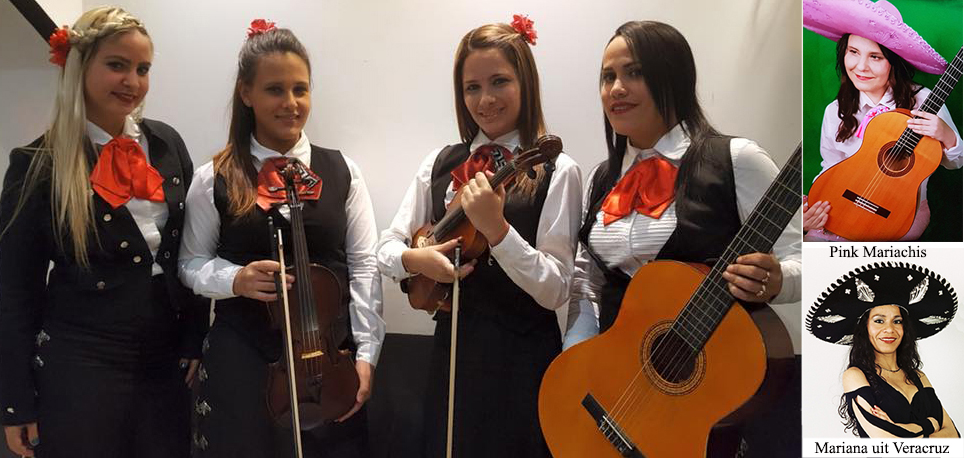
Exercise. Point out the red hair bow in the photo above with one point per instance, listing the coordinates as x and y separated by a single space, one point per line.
59 42
259 26
523 25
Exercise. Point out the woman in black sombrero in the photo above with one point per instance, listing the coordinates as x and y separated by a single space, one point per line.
880 310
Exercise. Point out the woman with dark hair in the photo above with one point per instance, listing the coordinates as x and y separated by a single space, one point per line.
227 255
508 332
671 188
874 78
881 311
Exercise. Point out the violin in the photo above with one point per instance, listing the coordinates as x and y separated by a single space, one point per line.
316 381
429 295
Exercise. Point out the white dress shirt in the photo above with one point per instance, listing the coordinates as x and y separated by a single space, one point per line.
211 276
832 151
543 271
753 171
149 216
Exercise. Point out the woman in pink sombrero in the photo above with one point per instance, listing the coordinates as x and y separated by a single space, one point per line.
877 56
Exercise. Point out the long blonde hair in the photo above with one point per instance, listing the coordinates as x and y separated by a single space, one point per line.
62 148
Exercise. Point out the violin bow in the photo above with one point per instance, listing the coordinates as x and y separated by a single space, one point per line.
289 347
453 344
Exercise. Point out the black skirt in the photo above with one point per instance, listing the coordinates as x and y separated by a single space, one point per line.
233 414
498 372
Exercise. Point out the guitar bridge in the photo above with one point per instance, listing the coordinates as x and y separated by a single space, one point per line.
865 204
608 426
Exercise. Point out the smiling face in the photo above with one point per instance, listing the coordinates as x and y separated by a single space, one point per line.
885 328
280 96
117 79
867 67
626 99
491 92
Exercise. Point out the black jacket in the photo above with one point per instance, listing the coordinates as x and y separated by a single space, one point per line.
119 272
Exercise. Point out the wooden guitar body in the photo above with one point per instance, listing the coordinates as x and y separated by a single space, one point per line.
746 358
873 194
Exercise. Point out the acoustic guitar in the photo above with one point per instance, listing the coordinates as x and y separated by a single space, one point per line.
873 194
681 358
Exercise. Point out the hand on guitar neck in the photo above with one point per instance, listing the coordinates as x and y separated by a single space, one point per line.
433 262
754 277
933 126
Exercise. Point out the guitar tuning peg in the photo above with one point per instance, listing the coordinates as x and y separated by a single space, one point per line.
550 166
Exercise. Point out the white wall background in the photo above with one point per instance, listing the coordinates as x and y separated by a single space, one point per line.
382 75
824 363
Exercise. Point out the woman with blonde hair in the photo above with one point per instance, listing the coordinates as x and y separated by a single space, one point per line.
508 333
89 353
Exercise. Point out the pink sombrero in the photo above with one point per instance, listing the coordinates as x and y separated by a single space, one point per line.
878 21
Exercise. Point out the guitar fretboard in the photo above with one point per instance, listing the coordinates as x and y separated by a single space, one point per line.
709 304
932 104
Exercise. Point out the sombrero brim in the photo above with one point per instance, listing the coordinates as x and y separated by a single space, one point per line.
926 296
833 18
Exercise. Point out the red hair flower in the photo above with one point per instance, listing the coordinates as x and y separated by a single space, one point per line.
523 25
259 26
59 42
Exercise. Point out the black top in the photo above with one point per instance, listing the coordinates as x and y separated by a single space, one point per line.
707 217
247 239
119 272
924 404
489 290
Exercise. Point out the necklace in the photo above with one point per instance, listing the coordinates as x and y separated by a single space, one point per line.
888 370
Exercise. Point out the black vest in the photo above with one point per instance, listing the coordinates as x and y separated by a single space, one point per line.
707 217
488 290
247 239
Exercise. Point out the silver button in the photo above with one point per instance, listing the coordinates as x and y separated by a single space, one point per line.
101 285
174 233
202 408
176 180
167 255
107 217
124 244
39 362
180 205
137 259
10 410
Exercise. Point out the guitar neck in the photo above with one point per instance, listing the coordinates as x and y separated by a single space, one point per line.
709 304
933 103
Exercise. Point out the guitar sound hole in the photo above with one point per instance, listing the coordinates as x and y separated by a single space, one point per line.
672 358
893 162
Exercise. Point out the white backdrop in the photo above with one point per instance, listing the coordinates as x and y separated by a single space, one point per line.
382 76
823 363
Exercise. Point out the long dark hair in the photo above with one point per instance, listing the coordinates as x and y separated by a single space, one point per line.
848 97
863 357
669 71
234 161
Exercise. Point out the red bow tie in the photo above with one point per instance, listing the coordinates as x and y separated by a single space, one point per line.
122 172
271 185
648 188
481 160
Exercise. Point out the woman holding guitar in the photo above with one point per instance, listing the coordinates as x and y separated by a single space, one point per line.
508 332
875 78
227 255
672 187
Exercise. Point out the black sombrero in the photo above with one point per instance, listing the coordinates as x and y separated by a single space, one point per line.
929 300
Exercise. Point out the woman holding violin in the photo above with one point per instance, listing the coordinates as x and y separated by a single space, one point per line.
227 255
508 332
672 188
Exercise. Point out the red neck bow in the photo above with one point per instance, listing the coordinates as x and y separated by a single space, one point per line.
271 185
484 158
122 172
648 188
